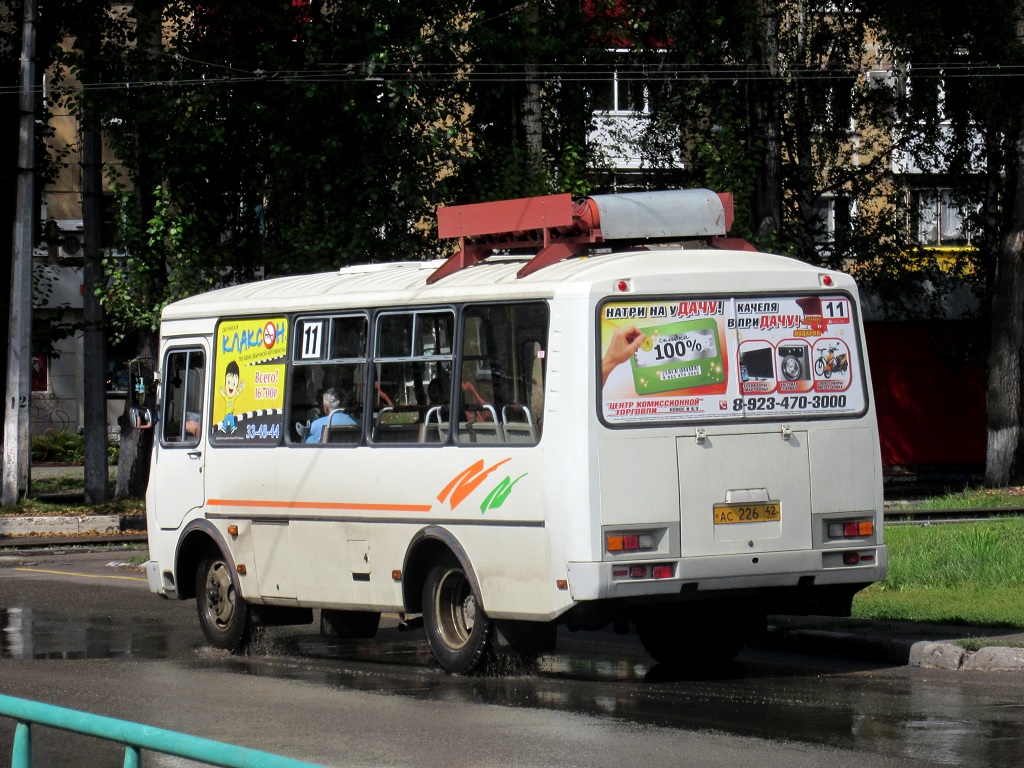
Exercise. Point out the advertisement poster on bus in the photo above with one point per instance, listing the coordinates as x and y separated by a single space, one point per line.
248 402
727 358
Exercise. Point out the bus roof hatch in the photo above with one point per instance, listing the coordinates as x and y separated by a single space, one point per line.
558 227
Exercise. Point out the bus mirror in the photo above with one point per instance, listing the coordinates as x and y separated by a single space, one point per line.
142 381
140 418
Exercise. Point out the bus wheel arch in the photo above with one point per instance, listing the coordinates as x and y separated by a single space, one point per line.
206 571
440 583
426 547
198 541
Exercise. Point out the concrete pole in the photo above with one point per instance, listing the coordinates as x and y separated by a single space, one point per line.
97 483
17 446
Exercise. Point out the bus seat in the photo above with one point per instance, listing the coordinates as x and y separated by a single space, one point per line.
396 424
341 433
521 430
434 428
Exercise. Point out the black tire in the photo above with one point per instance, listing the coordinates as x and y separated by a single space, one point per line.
458 631
223 614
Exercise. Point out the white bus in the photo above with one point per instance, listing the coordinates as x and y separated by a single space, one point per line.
610 429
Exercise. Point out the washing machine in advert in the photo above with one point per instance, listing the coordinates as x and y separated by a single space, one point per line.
793 362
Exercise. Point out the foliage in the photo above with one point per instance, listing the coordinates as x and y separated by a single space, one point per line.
959 123
65 448
527 107
263 139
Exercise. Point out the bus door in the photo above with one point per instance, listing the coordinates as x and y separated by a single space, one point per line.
177 472
745 493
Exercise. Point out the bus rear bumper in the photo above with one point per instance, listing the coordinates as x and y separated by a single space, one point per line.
157 584
768 570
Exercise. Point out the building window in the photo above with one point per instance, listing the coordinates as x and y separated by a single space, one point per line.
621 91
937 219
831 217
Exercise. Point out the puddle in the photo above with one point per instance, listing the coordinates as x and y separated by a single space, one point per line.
30 634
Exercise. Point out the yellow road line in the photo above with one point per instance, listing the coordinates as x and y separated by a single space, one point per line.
82 575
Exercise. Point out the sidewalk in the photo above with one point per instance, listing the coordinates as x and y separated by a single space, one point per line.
71 524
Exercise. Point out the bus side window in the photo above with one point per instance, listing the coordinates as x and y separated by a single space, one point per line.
501 392
183 385
412 368
328 382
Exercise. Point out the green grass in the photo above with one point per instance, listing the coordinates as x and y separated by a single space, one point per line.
60 484
964 573
972 498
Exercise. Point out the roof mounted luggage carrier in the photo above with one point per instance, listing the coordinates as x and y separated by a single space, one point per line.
558 227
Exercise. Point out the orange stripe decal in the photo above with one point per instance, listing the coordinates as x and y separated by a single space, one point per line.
335 505
467 481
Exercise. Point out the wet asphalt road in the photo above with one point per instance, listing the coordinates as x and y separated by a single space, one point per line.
79 632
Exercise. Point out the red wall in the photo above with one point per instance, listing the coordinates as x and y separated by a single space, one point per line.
929 387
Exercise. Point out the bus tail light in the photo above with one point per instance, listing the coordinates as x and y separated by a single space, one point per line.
663 571
629 542
851 529
655 571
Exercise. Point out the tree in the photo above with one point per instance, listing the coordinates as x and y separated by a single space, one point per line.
960 117
526 104
266 140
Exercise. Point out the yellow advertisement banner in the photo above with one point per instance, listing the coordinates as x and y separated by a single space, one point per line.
249 371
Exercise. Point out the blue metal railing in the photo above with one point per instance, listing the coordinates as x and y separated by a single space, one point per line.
135 736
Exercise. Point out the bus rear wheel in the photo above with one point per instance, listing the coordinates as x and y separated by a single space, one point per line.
691 638
458 631
223 614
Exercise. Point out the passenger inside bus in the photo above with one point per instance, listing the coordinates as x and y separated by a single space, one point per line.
312 432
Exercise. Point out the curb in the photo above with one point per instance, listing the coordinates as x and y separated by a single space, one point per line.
70 525
924 654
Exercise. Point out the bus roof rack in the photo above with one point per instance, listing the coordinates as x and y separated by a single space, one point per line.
558 227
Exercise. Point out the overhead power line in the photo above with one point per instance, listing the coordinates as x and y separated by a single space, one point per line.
356 72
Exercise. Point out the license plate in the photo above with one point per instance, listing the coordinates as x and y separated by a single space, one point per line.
757 512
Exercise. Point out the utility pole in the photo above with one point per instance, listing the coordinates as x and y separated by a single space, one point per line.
17 453
97 482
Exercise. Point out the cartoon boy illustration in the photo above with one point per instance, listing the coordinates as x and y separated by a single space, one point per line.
232 387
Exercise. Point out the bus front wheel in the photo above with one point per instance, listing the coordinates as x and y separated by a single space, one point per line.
458 631
223 614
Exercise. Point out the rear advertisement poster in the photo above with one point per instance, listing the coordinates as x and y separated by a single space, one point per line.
730 358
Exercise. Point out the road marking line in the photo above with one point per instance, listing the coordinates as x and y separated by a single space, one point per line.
82 575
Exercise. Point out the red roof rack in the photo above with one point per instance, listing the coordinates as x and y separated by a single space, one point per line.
559 227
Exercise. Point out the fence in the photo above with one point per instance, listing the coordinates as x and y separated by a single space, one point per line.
134 736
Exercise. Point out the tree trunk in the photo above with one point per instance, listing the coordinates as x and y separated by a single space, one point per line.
1007 307
1004 380
765 123
532 109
